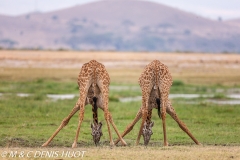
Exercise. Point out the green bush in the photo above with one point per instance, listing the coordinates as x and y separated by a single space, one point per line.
178 83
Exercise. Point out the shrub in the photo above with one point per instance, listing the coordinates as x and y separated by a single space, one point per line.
177 83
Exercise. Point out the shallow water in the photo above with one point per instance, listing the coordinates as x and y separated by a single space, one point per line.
234 101
23 94
171 96
130 99
235 96
230 102
61 96
123 88
188 96
51 96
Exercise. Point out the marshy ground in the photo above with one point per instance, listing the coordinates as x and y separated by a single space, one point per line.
27 121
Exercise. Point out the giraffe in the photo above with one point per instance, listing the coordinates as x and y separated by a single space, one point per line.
155 82
93 82
96 127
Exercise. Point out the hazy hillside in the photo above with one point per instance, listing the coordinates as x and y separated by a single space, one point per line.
235 22
119 25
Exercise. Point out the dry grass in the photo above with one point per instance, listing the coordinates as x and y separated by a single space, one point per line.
123 67
26 74
137 152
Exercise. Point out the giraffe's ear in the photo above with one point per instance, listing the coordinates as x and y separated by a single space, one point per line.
92 125
151 124
145 123
100 125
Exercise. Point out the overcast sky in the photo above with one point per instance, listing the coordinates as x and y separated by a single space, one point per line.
226 9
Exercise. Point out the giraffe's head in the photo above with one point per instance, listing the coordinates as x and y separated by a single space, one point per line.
96 132
147 132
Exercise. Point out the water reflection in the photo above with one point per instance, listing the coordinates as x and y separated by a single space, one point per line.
235 98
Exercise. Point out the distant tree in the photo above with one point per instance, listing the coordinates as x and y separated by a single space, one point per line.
187 32
220 19
54 17
27 16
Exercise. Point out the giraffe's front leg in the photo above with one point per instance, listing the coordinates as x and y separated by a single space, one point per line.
106 114
63 124
144 117
131 125
81 116
116 130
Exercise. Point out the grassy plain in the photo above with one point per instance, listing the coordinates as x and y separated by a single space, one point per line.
29 121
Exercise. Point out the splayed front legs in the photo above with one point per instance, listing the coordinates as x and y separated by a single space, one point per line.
63 124
81 116
109 120
170 110
131 125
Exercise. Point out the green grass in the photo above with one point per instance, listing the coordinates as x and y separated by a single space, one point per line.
49 86
30 121
38 86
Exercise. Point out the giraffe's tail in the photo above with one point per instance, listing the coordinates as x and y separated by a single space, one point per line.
159 107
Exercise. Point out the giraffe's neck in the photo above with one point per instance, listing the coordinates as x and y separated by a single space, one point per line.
95 110
94 84
149 117
158 107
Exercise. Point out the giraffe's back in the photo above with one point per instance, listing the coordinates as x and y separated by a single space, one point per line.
94 79
156 74
94 71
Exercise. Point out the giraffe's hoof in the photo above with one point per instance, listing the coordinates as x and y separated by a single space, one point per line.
165 144
74 145
137 143
116 142
44 144
124 143
112 144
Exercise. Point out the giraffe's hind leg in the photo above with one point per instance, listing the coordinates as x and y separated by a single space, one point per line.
163 116
131 125
63 124
172 113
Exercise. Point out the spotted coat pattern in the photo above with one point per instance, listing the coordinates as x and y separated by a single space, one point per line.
93 81
155 82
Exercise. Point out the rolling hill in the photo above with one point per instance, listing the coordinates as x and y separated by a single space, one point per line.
122 25
235 22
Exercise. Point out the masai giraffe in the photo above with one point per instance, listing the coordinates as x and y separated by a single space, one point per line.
93 82
155 82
